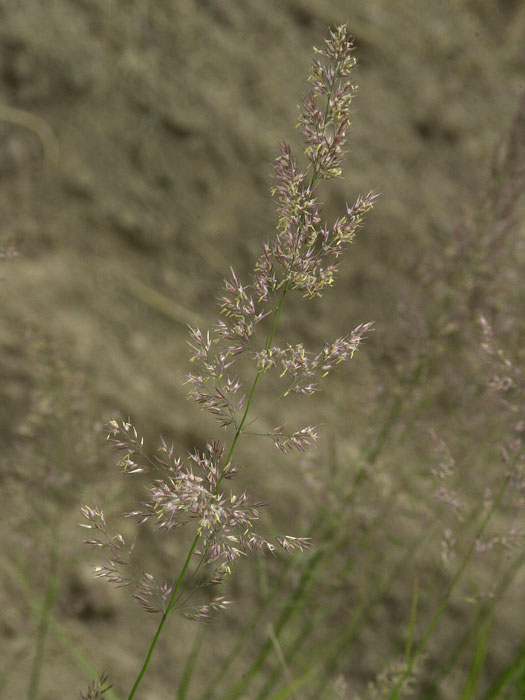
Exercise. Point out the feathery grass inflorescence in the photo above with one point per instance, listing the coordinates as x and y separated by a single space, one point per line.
507 383
304 256
8 250
96 689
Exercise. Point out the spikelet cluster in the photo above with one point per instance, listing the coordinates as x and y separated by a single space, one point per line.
96 689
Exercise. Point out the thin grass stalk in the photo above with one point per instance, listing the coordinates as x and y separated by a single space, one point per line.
311 620
297 684
331 528
515 672
288 610
451 588
347 638
482 629
211 688
189 668
314 666
486 612
371 456
279 652
312 562
46 612
412 620
163 619
333 653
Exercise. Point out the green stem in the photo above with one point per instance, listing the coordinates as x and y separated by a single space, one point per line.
487 611
422 645
164 617
190 664
328 524
514 673
288 610
334 648
45 615
334 653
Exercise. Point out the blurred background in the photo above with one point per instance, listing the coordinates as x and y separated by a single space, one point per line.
136 149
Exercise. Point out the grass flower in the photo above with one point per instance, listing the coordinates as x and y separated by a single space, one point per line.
303 257
96 689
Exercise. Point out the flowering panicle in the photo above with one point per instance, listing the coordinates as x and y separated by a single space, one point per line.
202 613
302 365
384 684
303 243
238 306
444 473
118 553
508 383
470 270
290 543
324 126
152 594
301 439
8 250
507 380
126 439
220 400
304 257
96 689
513 539
182 493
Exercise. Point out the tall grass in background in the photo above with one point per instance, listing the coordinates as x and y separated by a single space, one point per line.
394 589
